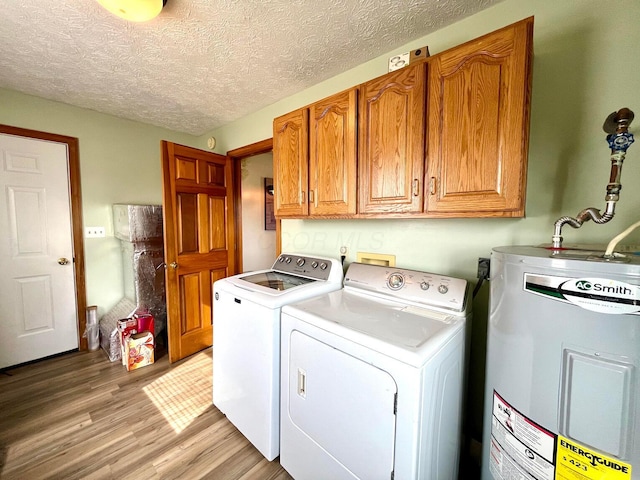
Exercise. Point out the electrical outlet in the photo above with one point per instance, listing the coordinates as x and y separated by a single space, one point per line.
484 268
93 232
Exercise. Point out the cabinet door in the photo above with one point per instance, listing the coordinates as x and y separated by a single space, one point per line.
332 155
290 163
391 132
479 96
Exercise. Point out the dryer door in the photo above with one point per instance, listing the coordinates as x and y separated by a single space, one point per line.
343 405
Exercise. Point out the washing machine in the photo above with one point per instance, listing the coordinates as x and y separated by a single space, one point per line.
246 340
373 377
562 395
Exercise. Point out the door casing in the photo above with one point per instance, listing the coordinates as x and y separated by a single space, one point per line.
236 156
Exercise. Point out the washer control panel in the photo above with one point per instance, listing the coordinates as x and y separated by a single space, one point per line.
312 267
428 289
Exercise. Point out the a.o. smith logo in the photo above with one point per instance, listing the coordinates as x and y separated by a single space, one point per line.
603 295
616 289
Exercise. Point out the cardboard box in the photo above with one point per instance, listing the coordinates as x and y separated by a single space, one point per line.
126 328
139 350
402 60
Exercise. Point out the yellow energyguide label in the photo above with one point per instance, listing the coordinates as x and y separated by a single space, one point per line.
577 462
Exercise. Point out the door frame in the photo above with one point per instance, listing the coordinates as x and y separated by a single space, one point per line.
237 155
75 206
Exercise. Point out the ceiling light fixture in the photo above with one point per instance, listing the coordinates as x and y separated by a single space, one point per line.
134 10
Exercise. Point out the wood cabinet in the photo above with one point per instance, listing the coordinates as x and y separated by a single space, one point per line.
391 136
446 137
315 158
478 125
332 155
291 163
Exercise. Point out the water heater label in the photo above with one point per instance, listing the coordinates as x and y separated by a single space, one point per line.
520 448
600 295
575 461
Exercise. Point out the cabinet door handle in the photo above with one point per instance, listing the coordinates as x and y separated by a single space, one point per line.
302 200
416 187
310 196
432 186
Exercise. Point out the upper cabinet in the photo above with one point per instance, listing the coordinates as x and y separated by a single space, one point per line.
315 158
290 163
445 137
391 133
478 125
332 155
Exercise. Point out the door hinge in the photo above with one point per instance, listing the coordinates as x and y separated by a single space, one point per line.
395 404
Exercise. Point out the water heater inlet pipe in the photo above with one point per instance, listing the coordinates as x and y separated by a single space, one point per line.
619 139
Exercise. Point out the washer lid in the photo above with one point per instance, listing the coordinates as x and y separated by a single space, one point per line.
275 280
405 332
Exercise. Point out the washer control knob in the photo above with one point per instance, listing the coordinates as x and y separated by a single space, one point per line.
424 286
314 264
300 262
323 266
395 281
281 259
443 289
287 259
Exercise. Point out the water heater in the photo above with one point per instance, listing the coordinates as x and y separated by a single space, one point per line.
562 391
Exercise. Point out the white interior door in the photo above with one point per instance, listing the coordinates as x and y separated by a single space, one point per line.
37 290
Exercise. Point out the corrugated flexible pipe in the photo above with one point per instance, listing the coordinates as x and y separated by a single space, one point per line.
619 139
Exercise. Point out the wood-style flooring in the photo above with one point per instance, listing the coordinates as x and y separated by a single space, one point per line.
79 416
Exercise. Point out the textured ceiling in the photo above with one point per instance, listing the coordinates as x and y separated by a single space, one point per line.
202 63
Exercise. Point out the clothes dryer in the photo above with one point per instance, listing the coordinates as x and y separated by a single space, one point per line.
372 377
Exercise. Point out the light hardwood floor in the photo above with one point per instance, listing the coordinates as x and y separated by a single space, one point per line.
79 416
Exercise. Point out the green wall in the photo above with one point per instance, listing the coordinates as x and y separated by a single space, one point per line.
119 163
586 65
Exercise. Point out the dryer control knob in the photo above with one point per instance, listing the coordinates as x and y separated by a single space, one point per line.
300 262
323 266
314 264
443 289
287 259
395 281
424 286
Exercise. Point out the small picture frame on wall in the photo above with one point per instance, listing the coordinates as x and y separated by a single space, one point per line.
269 216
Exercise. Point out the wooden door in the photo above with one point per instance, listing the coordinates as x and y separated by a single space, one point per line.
332 155
198 240
391 131
38 314
479 96
291 163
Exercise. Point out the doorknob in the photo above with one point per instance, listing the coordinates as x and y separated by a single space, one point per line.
63 261
173 265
